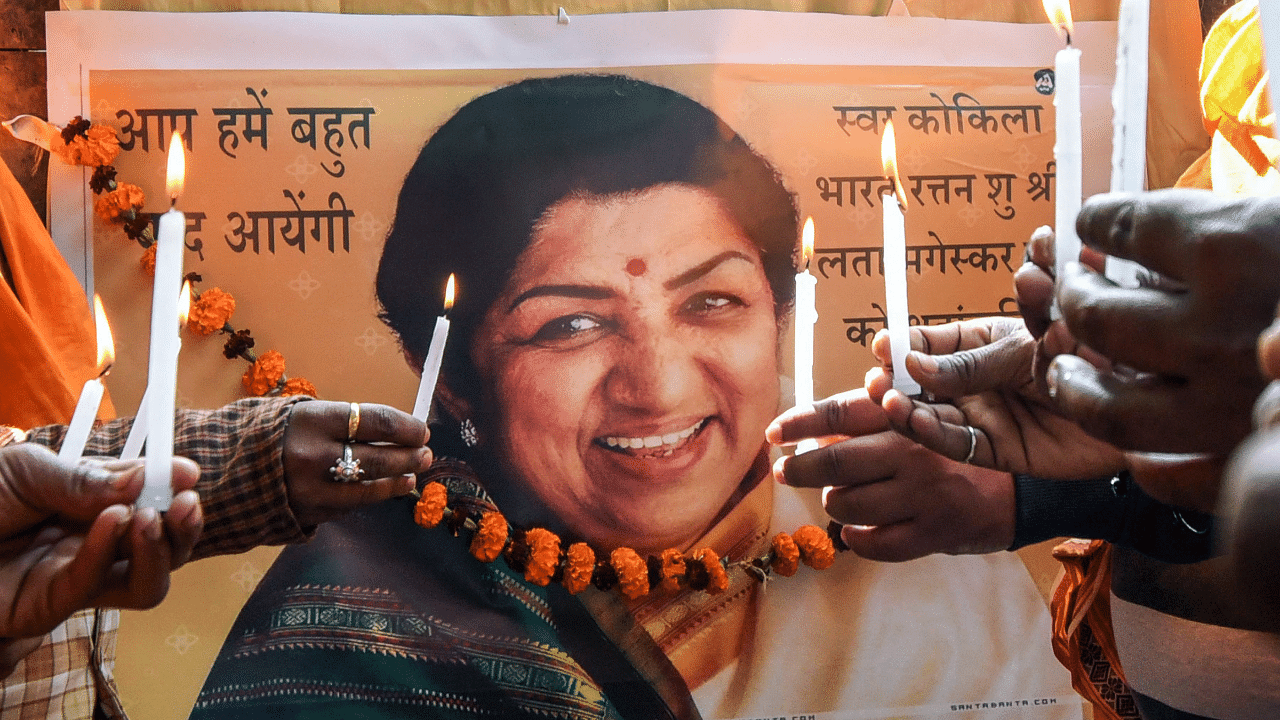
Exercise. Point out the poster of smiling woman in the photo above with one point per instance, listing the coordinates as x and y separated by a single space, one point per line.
620 200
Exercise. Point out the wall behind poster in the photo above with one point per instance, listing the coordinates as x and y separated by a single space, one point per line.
974 150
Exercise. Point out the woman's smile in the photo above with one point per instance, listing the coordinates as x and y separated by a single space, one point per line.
651 445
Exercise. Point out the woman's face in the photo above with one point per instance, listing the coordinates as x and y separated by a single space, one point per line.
633 360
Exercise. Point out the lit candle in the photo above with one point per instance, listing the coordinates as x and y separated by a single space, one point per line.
138 431
162 362
91 395
806 316
1067 147
895 266
435 357
1129 119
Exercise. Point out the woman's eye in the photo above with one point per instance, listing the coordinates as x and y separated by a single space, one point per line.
568 328
707 303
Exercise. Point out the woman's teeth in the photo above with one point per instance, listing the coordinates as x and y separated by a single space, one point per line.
664 444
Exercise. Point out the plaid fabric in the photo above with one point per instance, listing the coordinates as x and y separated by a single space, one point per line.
239 448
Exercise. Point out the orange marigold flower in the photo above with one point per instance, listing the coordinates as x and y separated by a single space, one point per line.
490 537
148 261
112 206
673 568
98 146
786 555
430 508
264 374
633 572
544 555
298 386
580 563
815 546
211 311
717 577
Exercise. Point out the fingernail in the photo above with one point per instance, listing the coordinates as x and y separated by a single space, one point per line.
1053 375
927 363
778 474
120 481
150 520
409 484
773 433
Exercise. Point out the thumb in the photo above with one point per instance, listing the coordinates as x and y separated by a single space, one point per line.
1001 364
35 485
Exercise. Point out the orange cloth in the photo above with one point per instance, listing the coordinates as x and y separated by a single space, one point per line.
48 347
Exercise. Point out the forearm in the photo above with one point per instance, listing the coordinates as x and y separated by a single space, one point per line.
1112 509
239 448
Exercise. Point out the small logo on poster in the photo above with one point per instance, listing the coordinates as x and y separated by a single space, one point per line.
1044 81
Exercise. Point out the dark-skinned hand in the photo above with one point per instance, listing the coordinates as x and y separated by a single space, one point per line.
389 444
70 540
899 500
1191 341
980 373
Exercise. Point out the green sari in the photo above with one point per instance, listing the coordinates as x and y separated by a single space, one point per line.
379 618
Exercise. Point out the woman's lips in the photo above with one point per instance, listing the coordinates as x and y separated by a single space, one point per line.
651 445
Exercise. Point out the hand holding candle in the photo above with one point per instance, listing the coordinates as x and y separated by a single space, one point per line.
1068 153
806 316
895 266
91 396
162 363
435 357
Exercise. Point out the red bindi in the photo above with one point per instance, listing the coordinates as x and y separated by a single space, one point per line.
636 267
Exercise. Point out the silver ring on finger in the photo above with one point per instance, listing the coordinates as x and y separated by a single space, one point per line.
346 468
973 443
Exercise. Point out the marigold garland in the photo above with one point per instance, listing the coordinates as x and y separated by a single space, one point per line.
537 553
264 374
121 203
211 311
579 566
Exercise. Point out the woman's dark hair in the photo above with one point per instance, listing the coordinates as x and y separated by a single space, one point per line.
470 203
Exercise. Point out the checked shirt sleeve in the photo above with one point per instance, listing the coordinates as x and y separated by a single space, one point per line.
240 451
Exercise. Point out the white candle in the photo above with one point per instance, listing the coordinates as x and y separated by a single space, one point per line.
895 292
81 424
806 316
435 358
897 316
1067 146
138 431
162 361
1129 121
1269 18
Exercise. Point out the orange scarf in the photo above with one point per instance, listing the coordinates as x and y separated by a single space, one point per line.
47 342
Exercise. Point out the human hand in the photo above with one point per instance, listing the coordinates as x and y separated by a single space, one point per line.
1249 507
899 500
983 368
69 540
314 440
1192 341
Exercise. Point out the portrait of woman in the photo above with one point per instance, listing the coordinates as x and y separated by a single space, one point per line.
625 266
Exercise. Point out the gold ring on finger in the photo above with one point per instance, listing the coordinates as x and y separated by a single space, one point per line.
353 421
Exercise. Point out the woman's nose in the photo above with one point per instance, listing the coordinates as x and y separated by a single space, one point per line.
655 371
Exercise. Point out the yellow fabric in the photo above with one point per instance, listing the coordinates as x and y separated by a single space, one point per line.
48 348
1236 107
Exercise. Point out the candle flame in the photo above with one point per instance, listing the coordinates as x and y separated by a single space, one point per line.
449 292
184 304
889 160
806 243
106 346
175 175
1059 12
